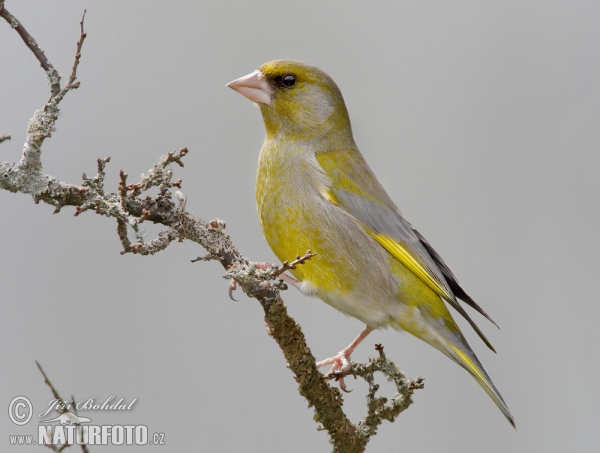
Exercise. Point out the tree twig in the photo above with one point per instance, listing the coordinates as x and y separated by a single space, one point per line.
62 408
51 72
286 266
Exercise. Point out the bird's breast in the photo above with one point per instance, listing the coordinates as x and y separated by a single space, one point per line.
289 198
351 271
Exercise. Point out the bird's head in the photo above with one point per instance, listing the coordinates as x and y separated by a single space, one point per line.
296 100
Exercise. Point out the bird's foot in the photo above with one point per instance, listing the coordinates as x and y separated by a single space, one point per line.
289 279
277 274
286 266
285 277
340 364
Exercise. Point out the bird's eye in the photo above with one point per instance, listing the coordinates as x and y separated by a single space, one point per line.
288 80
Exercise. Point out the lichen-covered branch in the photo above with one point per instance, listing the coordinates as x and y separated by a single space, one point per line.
130 208
25 176
378 411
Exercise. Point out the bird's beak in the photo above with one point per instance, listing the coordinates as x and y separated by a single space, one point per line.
254 86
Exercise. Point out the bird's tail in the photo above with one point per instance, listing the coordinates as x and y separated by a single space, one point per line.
447 338
467 359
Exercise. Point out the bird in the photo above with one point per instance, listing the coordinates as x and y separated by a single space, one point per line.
314 190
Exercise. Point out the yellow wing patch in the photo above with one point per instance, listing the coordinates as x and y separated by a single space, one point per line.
400 252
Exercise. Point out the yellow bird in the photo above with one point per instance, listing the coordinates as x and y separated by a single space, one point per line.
315 191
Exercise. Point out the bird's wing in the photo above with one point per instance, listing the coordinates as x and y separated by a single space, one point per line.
355 189
451 279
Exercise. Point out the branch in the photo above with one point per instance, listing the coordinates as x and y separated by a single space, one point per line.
286 266
62 408
51 72
42 125
377 409
130 210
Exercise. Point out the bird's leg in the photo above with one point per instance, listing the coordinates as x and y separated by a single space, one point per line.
340 363
289 279
285 277
279 273
286 265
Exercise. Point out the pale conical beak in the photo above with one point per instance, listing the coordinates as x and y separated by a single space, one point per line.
254 86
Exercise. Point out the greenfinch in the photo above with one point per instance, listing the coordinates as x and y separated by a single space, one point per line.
314 190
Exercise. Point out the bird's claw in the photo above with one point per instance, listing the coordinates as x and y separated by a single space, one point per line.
232 288
340 364
263 266
339 377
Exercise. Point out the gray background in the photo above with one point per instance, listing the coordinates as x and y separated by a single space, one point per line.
481 119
